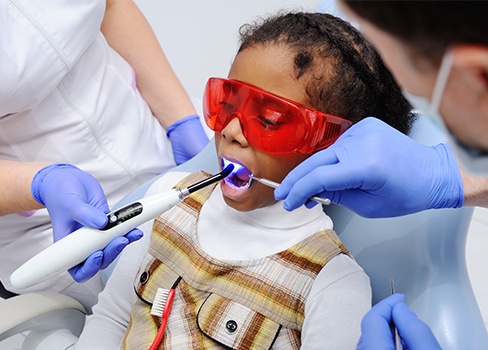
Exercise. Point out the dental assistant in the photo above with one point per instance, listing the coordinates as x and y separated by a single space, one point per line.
438 53
89 110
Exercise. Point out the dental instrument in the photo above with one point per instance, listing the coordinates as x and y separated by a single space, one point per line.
396 338
77 246
269 183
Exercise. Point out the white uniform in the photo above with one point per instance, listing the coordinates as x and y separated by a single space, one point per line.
67 97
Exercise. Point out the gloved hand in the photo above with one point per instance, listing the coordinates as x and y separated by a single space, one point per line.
376 171
376 333
74 199
187 138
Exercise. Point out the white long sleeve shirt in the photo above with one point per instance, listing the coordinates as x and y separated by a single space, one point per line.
339 298
67 97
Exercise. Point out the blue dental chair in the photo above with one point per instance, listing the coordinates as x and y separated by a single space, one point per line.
424 253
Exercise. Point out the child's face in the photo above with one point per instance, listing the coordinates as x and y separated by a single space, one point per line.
266 67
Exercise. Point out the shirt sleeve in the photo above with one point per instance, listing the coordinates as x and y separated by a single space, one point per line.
339 299
105 328
40 41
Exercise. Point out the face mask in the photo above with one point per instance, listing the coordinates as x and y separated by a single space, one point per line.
471 160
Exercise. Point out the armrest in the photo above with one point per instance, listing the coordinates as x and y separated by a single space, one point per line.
41 311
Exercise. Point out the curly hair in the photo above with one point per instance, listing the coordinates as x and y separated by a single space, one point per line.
428 28
341 72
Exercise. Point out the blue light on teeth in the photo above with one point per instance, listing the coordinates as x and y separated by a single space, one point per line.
236 166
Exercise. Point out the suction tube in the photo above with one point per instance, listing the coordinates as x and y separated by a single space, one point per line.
77 246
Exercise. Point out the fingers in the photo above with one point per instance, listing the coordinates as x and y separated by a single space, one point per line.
375 326
115 247
90 216
385 307
81 214
414 332
89 268
321 158
134 235
100 260
323 181
112 250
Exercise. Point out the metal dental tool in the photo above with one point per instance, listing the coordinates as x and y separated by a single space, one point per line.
77 246
394 330
324 201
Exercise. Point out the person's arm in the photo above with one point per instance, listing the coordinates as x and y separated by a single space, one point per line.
73 199
475 190
15 192
340 297
128 32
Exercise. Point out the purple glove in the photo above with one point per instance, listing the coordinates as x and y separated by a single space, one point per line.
187 138
376 332
74 199
376 171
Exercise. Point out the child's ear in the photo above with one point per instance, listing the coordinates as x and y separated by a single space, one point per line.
472 62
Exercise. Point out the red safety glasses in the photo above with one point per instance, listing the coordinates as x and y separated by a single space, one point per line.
269 122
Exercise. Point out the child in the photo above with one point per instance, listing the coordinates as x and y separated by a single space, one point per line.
248 274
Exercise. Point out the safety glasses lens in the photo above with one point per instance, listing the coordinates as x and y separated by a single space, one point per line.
269 123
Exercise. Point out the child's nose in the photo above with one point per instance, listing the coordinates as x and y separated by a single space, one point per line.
233 132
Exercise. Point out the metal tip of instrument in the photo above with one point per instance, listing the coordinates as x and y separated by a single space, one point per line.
396 336
269 183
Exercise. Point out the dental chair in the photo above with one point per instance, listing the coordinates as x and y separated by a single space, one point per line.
423 253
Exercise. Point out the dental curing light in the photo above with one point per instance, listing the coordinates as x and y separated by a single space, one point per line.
77 246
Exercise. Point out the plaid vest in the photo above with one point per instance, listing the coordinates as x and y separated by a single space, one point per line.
257 304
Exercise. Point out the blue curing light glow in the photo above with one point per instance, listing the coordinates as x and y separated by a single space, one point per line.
236 166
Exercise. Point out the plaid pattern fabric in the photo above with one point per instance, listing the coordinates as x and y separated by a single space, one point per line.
256 304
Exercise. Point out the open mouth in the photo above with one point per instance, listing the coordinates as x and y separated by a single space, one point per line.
240 176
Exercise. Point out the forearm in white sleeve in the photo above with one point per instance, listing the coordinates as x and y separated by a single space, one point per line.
340 297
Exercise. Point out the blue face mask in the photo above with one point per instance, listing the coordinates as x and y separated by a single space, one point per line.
470 160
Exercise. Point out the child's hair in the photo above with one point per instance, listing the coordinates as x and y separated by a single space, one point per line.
341 72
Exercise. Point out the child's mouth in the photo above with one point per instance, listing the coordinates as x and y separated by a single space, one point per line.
240 178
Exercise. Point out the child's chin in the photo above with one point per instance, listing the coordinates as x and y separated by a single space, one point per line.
238 198
245 199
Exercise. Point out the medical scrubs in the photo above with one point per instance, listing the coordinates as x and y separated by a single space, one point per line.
67 97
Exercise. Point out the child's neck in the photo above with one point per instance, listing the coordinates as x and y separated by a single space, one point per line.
228 234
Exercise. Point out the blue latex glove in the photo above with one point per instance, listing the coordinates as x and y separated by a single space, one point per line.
74 199
376 333
187 138
376 171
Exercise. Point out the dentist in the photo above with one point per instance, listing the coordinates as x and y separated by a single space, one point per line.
89 110
438 53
